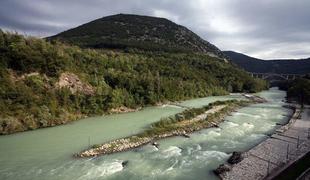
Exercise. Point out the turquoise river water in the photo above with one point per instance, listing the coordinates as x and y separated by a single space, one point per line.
46 154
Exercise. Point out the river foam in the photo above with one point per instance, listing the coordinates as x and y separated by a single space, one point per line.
102 169
171 151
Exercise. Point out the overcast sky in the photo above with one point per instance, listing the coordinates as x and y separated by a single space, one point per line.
267 29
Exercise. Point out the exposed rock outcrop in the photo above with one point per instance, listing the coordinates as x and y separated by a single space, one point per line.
74 83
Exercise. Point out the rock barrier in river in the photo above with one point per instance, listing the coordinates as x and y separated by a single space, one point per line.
181 128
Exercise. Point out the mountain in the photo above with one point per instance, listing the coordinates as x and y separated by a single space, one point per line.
286 66
135 31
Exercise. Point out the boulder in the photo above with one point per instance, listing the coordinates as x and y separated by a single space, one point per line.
43 123
222 169
179 117
214 125
155 144
235 158
185 135
125 163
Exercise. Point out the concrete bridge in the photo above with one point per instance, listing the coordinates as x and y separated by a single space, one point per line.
269 76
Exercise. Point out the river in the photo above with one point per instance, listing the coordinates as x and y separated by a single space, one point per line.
46 154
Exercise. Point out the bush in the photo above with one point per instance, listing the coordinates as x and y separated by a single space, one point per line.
96 146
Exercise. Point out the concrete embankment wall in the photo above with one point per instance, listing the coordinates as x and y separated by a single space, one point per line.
272 156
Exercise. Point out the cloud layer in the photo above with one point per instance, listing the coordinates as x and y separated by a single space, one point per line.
266 29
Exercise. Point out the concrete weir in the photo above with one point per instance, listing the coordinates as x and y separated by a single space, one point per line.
286 146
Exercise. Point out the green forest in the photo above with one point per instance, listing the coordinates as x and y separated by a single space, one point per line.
45 83
299 90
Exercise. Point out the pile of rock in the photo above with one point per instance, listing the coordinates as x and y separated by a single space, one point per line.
222 169
123 109
118 145
74 83
235 158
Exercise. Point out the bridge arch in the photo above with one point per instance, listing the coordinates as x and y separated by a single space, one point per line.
267 76
281 76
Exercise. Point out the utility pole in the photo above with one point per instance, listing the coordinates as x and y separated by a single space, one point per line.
268 167
297 142
287 151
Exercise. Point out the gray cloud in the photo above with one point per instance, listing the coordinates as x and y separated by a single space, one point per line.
265 29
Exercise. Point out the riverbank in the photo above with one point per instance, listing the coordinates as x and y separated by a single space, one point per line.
11 125
289 143
181 124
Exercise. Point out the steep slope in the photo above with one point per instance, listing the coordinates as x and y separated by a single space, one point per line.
44 84
134 31
301 66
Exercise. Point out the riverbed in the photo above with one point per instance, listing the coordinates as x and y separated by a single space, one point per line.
47 153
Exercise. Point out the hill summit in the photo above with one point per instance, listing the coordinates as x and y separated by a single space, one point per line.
135 31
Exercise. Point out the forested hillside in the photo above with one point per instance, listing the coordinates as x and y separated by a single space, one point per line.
298 90
44 84
286 66
123 31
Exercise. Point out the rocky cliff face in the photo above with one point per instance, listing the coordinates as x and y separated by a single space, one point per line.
74 84
134 31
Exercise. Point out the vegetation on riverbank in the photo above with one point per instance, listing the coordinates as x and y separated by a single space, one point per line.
185 120
44 84
180 124
298 90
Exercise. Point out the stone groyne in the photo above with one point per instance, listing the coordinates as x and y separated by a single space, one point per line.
210 118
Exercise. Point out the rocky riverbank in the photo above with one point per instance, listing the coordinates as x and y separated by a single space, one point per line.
210 117
123 109
288 143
